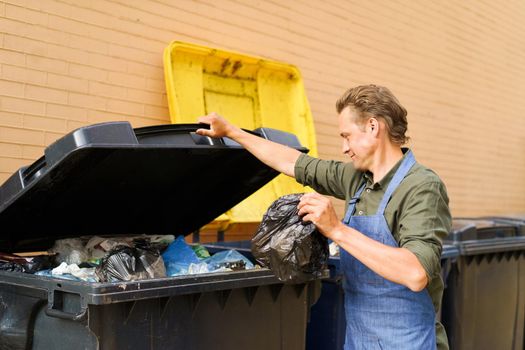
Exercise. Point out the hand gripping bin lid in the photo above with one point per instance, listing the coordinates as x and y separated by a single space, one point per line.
111 179
250 92
484 300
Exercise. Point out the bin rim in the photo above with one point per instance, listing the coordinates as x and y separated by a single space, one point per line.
494 245
113 292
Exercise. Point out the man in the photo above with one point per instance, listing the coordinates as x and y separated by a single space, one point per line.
397 213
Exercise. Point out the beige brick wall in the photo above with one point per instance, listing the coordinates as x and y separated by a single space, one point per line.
458 67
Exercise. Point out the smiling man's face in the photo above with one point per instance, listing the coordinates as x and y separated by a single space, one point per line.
358 140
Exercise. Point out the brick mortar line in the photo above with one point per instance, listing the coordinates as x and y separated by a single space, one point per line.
25 66
373 28
330 34
264 34
442 15
25 128
404 77
75 92
74 48
127 32
82 22
127 87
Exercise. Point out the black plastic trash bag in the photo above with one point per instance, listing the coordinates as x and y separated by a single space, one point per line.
294 250
11 266
124 263
40 262
9 262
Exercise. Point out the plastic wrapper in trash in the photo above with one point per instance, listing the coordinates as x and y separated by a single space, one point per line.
159 242
129 264
200 251
194 269
228 259
70 251
98 247
178 257
84 274
293 249
334 249
47 273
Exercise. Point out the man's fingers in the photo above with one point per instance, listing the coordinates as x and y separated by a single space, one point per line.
204 132
306 209
205 120
310 218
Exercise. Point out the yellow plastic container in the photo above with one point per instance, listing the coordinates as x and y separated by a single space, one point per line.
250 92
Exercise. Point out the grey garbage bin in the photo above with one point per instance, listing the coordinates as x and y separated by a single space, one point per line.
485 296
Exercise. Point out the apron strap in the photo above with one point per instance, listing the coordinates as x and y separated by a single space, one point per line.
400 174
352 203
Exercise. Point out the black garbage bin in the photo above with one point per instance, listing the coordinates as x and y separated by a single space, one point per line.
110 179
485 296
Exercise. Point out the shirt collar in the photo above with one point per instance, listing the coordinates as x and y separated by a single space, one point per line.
383 183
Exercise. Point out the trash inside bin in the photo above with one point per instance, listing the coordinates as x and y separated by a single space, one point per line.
484 301
109 179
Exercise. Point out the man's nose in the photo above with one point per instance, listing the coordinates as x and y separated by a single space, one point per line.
346 148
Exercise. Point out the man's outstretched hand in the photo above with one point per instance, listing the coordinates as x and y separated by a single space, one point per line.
219 127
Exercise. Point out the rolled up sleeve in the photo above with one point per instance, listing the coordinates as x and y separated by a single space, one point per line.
424 222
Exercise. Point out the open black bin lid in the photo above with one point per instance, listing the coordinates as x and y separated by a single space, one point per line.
112 179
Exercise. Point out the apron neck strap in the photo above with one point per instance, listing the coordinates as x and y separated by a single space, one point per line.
400 174
352 203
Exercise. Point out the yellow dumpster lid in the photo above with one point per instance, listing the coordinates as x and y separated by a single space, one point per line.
250 92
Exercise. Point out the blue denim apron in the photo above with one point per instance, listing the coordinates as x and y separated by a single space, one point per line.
381 314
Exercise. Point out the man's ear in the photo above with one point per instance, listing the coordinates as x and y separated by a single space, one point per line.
373 126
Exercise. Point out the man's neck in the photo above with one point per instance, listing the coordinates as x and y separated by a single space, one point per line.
386 157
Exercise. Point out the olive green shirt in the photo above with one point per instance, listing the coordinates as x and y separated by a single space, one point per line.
417 214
